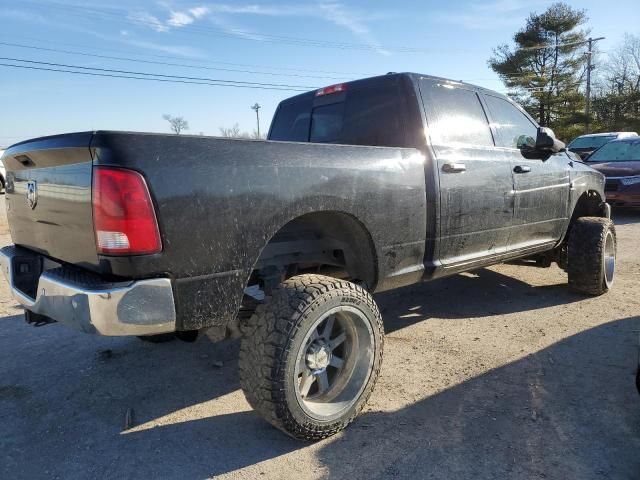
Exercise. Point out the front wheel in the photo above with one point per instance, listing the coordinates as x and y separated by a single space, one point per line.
311 354
592 255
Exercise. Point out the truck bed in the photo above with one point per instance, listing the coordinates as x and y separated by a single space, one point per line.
218 202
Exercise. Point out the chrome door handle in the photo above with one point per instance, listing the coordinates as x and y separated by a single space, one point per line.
522 169
454 168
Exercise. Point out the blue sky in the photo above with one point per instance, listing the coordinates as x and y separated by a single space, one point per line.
293 43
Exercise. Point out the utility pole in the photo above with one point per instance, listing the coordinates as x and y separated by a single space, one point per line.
257 108
590 67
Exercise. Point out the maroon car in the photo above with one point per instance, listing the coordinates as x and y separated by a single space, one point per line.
619 160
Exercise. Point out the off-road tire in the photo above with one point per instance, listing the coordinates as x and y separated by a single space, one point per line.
268 349
160 338
586 255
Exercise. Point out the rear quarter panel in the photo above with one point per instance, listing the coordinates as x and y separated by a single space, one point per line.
219 201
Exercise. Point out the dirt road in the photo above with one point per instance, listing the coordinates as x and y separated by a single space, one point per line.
499 374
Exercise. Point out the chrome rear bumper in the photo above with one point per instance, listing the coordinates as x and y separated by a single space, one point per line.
82 301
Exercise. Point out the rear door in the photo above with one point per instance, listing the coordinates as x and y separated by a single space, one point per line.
476 208
541 187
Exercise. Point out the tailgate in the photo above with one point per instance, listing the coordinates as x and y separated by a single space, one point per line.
49 197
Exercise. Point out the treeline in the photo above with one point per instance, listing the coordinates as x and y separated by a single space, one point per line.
616 101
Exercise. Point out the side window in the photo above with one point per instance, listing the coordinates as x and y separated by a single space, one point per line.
454 115
509 122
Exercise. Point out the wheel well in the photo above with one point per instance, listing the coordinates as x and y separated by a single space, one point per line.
331 243
588 205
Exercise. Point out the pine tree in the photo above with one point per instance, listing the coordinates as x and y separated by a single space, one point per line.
545 68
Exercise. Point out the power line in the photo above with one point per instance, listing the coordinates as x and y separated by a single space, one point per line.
177 77
130 77
197 60
153 62
559 45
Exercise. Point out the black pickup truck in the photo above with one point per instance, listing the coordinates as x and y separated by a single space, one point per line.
362 187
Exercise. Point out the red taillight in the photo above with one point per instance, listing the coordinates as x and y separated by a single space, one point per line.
341 87
123 216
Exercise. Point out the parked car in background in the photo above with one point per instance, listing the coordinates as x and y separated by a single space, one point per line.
3 173
585 145
619 161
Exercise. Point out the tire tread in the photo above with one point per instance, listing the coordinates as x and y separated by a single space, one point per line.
265 346
586 251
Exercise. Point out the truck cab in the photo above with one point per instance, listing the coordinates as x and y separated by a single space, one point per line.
486 201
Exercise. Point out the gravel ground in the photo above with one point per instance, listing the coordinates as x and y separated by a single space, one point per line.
498 374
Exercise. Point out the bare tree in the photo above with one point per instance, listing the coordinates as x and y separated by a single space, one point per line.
177 124
231 132
235 132
617 92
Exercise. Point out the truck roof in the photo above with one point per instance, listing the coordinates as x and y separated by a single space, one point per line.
413 76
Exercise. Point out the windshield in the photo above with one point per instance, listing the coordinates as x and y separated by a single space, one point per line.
591 142
617 152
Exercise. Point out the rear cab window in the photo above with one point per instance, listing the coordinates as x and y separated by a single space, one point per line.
369 112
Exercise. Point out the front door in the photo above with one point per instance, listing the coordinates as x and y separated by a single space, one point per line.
541 187
476 183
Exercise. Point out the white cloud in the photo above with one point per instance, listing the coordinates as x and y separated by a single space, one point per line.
330 11
219 14
492 15
122 36
232 29
264 10
198 12
179 19
148 20
504 6
176 18
337 14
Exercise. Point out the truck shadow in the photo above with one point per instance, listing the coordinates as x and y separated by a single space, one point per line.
64 395
568 411
481 293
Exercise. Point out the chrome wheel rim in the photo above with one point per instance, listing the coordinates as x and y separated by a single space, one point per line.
609 259
334 362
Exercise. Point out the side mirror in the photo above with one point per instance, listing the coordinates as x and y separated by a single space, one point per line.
542 147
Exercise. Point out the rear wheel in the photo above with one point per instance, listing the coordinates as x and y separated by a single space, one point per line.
311 355
592 255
